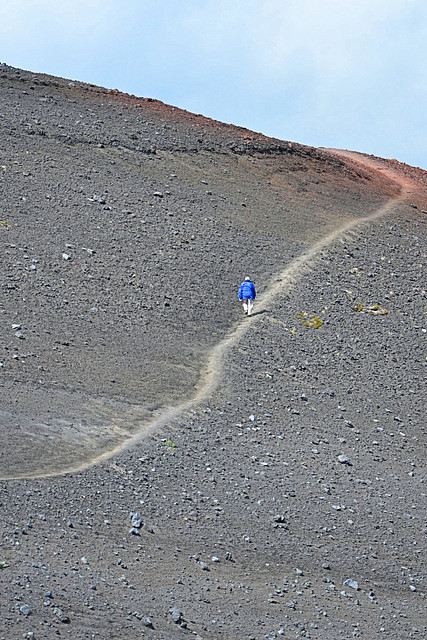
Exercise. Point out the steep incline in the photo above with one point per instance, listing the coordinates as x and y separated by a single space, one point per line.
126 226
212 371
228 477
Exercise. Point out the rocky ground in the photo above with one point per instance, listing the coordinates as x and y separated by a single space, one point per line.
170 468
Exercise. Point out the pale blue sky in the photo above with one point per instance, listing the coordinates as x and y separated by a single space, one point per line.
333 73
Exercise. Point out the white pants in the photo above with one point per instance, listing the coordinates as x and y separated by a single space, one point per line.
248 306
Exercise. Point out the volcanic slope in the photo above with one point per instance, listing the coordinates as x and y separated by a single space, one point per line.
127 226
270 461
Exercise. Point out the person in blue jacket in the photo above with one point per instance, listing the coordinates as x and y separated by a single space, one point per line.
247 295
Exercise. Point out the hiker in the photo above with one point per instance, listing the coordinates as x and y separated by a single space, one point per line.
247 295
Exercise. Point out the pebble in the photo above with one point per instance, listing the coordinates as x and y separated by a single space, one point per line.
279 521
98 198
148 623
25 609
175 614
61 616
351 583
136 520
344 460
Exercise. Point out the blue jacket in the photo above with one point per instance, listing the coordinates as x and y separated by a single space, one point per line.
247 290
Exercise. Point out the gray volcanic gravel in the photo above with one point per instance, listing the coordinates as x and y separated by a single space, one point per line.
170 468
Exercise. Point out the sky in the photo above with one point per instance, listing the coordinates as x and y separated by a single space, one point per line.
330 73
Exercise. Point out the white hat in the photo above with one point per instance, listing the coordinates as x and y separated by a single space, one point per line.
247 278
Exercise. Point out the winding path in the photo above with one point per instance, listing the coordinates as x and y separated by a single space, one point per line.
213 370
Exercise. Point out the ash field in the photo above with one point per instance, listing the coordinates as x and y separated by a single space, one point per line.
170 468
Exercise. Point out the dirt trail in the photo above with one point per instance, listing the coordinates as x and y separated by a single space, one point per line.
373 165
213 370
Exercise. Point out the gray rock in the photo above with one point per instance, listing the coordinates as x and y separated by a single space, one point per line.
25 609
146 620
176 615
136 519
351 583
98 198
61 615
148 623
279 521
344 460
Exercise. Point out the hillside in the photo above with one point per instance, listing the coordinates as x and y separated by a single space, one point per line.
269 461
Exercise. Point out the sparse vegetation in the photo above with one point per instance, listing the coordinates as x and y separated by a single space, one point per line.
5 224
375 309
170 445
310 320
359 306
